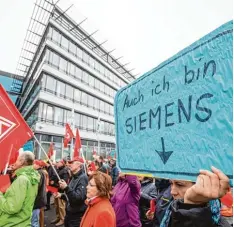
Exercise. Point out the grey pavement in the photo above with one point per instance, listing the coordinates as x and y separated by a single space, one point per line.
50 216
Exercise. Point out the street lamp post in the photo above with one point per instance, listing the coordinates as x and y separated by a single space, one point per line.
98 132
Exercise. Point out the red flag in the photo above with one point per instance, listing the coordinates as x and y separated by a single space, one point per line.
5 183
77 145
51 189
14 131
94 152
68 135
13 157
227 200
51 150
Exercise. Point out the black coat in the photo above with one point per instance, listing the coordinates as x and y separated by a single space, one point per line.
190 215
51 173
41 198
63 174
76 193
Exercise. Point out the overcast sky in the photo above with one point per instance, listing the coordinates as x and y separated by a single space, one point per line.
145 32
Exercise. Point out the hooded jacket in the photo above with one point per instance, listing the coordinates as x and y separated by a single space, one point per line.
126 202
16 204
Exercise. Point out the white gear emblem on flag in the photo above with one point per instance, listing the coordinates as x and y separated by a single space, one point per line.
7 124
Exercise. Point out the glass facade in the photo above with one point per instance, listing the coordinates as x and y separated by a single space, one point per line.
73 70
76 95
73 48
45 112
88 147
106 82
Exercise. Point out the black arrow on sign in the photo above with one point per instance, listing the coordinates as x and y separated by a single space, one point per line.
164 155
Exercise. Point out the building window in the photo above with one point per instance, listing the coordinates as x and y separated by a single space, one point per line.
107 108
69 92
43 81
97 84
101 69
79 52
63 64
102 105
85 77
79 73
58 116
46 138
50 84
85 57
72 70
67 116
60 89
102 86
49 113
56 36
72 48
91 62
54 59
77 95
64 43
91 101
57 139
90 124
91 81
96 103
84 98
77 120
84 121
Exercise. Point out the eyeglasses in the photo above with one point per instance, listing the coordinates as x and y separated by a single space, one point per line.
92 185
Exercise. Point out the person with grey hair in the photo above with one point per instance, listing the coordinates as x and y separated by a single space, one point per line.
16 204
75 193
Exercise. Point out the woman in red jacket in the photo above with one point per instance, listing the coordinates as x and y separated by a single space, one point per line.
99 212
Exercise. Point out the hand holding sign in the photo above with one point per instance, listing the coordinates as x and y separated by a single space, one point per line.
208 186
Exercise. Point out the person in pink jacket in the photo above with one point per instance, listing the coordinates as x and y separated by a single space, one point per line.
125 201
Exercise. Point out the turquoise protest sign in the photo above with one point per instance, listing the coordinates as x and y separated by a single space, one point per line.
177 118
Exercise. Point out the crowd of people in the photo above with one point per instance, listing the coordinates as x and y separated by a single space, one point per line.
96 194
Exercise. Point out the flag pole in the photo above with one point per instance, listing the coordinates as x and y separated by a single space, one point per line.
46 156
9 156
73 128
82 154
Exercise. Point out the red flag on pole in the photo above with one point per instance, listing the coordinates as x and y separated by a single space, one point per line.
94 152
5 183
51 150
51 189
68 135
14 157
77 145
14 131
